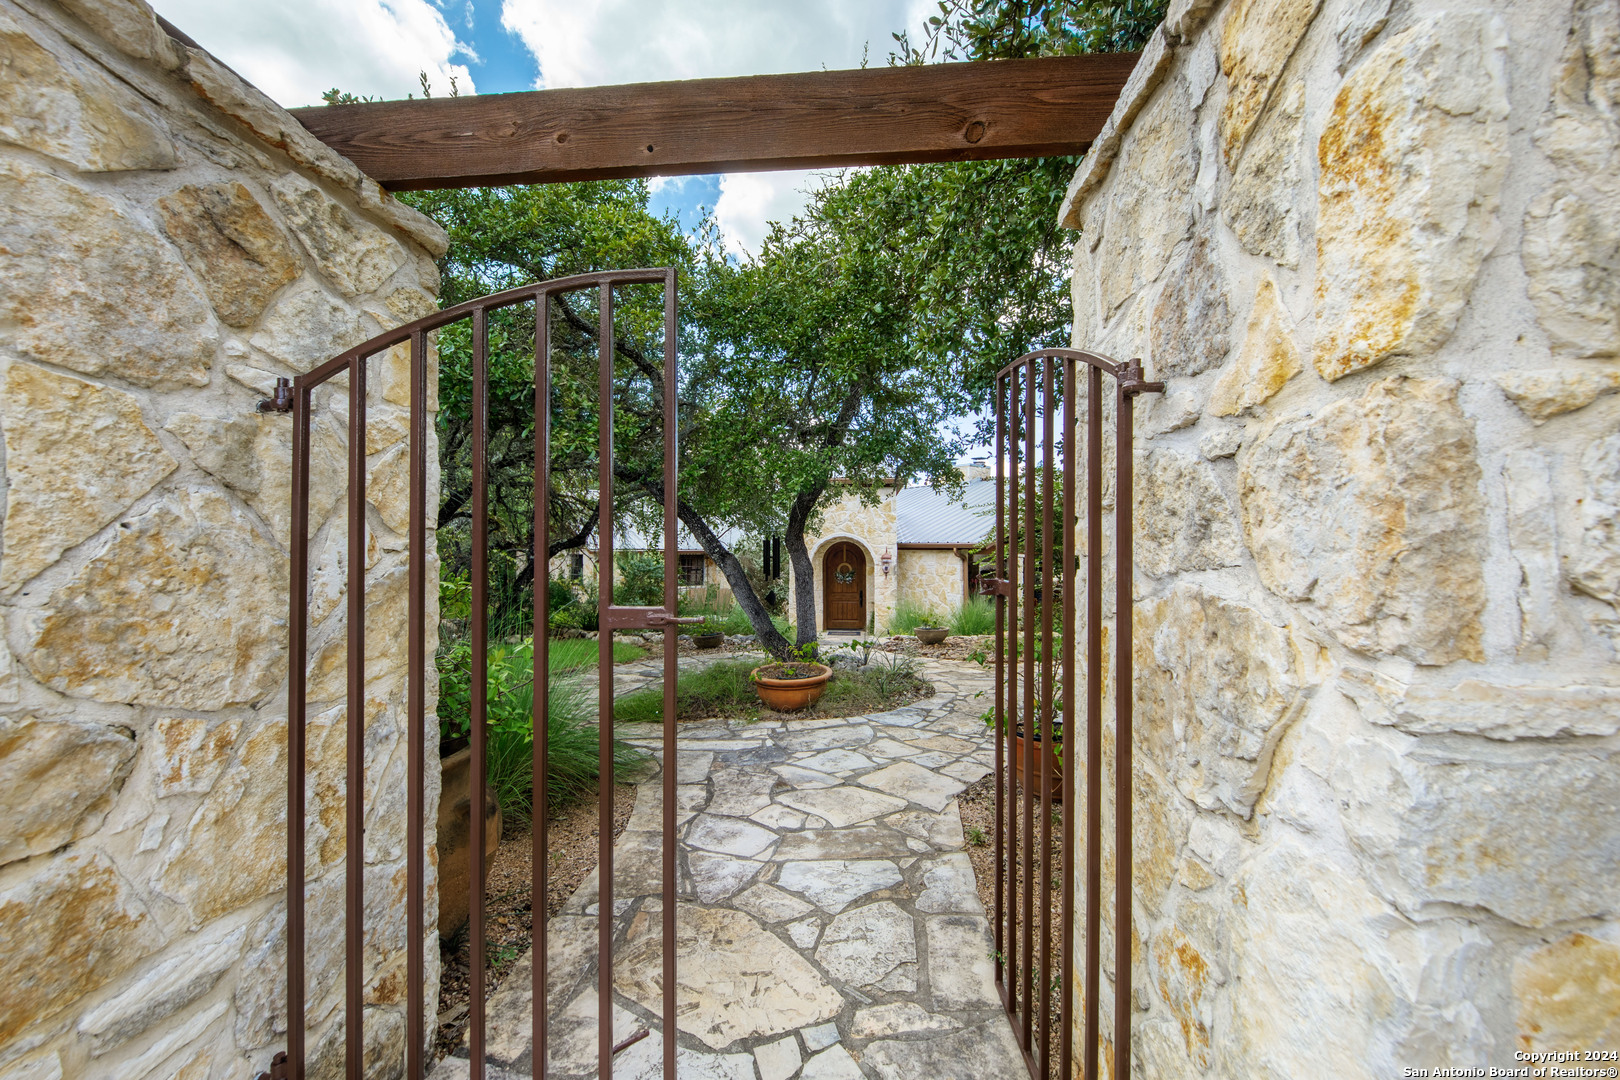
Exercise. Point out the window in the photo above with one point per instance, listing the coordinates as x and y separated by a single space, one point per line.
576 565
691 569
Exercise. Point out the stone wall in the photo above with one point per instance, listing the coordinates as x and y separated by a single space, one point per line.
1372 248
931 578
872 527
170 242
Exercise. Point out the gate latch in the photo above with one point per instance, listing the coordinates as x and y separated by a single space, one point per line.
995 587
278 1067
642 618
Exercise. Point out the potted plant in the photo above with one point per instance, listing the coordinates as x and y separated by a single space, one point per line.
933 635
454 834
1020 751
708 636
793 684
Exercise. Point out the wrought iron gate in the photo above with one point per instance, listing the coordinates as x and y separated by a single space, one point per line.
297 398
1037 564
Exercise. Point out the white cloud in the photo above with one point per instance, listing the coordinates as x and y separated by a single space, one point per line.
749 202
294 50
624 41
621 41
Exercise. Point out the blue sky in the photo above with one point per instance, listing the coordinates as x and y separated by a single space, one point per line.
295 49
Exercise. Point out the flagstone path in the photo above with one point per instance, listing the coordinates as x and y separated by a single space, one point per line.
829 928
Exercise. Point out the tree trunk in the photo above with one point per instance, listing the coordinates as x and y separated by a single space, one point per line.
804 572
741 588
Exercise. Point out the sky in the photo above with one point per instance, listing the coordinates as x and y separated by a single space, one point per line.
294 50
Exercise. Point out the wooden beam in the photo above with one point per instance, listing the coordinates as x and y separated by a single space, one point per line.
826 119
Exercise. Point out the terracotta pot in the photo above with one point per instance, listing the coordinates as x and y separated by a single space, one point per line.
708 641
1055 769
455 838
932 635
791 695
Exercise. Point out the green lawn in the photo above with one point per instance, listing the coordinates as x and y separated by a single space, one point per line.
723 689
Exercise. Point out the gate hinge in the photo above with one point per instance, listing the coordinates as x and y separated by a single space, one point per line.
1131 381
278 1068
642 618
281 401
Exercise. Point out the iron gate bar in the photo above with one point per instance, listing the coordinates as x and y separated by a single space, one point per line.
540 703
353 363
1017 421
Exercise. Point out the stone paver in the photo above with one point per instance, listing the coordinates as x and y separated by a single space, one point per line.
828 925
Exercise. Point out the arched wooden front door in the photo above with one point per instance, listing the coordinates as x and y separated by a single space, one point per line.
844 585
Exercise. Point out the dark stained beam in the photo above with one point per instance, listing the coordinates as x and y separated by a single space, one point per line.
826 119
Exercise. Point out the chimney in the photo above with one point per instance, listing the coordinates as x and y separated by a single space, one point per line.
979 469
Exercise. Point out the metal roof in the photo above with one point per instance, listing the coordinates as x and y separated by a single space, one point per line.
926 515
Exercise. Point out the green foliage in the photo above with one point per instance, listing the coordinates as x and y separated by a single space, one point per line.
570 735
641 579
976 837
908 615
1008 29
455 597
566 654
975 615
725 689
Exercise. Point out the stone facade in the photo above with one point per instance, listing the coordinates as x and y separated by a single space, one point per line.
170 243
871 526
1372 249
932 578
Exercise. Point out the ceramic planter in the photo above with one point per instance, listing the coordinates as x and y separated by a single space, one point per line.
455 838
790 695
1054 769
932 635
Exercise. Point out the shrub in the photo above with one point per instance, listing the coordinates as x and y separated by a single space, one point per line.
973 616
640 579
908 615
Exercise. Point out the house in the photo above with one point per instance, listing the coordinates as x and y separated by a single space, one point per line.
911 546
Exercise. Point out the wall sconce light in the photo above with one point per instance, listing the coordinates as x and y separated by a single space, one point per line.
885 560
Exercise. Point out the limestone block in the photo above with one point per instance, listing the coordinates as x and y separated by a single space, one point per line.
738 979
1309 952
70 927
1184 520
1369 512
1476 824
387 609
1533 538
1567 995
1358 24
863 946
232 245
160 992
1594 554
1257 39
1266 360
92 289
10 689
1219 683
77 455
1571 247
130 26
1192 320
1259 202
350 252
393 374
1182 977
59 105
1149 206
1159 821
58 777
182 607
234 847
252 454
305 327
188 753
1542 395
1411 168
388 487
1503 711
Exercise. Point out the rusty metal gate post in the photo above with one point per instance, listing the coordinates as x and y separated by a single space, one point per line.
1034 567
298 398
